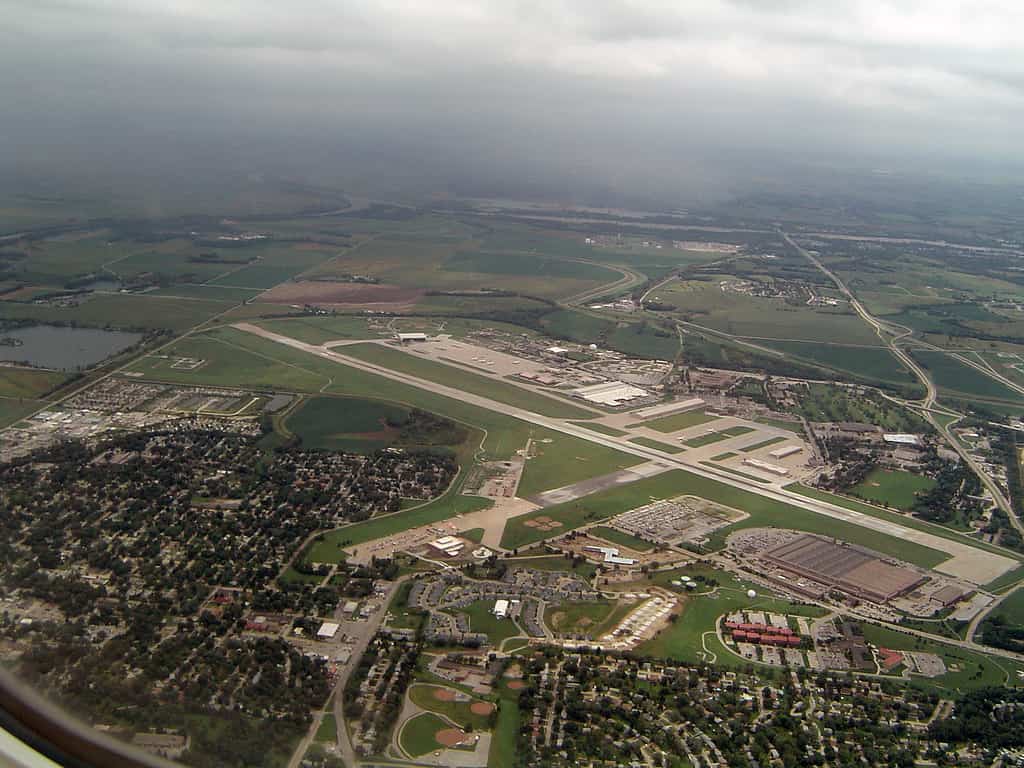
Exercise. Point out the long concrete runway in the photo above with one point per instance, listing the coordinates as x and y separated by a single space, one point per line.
967 562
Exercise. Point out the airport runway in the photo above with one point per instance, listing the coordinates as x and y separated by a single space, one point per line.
967 562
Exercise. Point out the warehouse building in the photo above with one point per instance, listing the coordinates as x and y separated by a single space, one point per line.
611 393
405 338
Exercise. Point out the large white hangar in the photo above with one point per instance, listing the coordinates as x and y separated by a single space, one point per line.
612 393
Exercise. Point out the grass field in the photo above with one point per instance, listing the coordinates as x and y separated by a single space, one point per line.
657 445
763 512
450 376
560 459
122 311
622 539
724 456
762 444
417 735
503 743
29 383
14 410
716 437
792 426
327 731
603 429
864 362
345 424
317 329
895 489
678 421
584 569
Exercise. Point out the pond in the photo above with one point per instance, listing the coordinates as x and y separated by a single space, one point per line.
66 349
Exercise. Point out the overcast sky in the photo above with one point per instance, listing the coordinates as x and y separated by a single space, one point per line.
600 92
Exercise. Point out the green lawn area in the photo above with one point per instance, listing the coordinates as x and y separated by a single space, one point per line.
422 695
560 459
715 437
417 735
328 728
401 617
584 618
482 619
473 534
603 429
723 456
318 329
356 425
953 376
618 537
763 512
1012 608
892 488
495 389
657 445
763 444
864 362
677 421
792 426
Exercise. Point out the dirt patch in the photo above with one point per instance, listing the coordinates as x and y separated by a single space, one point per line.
481 707
444 694
449 737
317 292
516 685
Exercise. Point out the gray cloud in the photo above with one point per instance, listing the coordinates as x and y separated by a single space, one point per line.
656 95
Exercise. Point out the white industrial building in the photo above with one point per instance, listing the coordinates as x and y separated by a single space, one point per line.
612 393
448 546
764 466
611 555
900 438
327 630
557 350
665 409
786 450
501 609
407 337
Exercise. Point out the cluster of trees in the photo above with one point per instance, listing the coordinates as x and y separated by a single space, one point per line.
993 718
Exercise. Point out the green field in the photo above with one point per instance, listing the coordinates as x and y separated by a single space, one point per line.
792 426
762 444
208 292
894 489
563 460
327 731
585 618
616 536
27 383
604 430
14 410
584 569
677 421
450 376
723 456
121 311
417 735
864 362
953 376
318 329
503 744
716 437
657 445
342 424
763 512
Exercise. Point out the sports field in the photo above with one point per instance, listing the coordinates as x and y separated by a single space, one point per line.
892 488
439 699
584 618
417 737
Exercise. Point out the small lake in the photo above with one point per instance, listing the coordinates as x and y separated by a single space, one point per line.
67 349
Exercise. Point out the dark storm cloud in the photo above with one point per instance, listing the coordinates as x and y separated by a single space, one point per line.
620 93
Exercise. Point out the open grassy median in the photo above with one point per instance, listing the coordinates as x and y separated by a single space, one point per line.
447 375
616 536
678 421
657 445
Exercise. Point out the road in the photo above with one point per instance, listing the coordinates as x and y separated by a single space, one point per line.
928 404
622 444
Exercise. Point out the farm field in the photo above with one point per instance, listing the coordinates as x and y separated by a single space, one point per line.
122 311
895 489
622 539
762 511
677 421
484 386
736 314
29 383
861 362
954 377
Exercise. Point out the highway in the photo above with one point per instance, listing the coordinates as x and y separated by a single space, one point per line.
928 404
